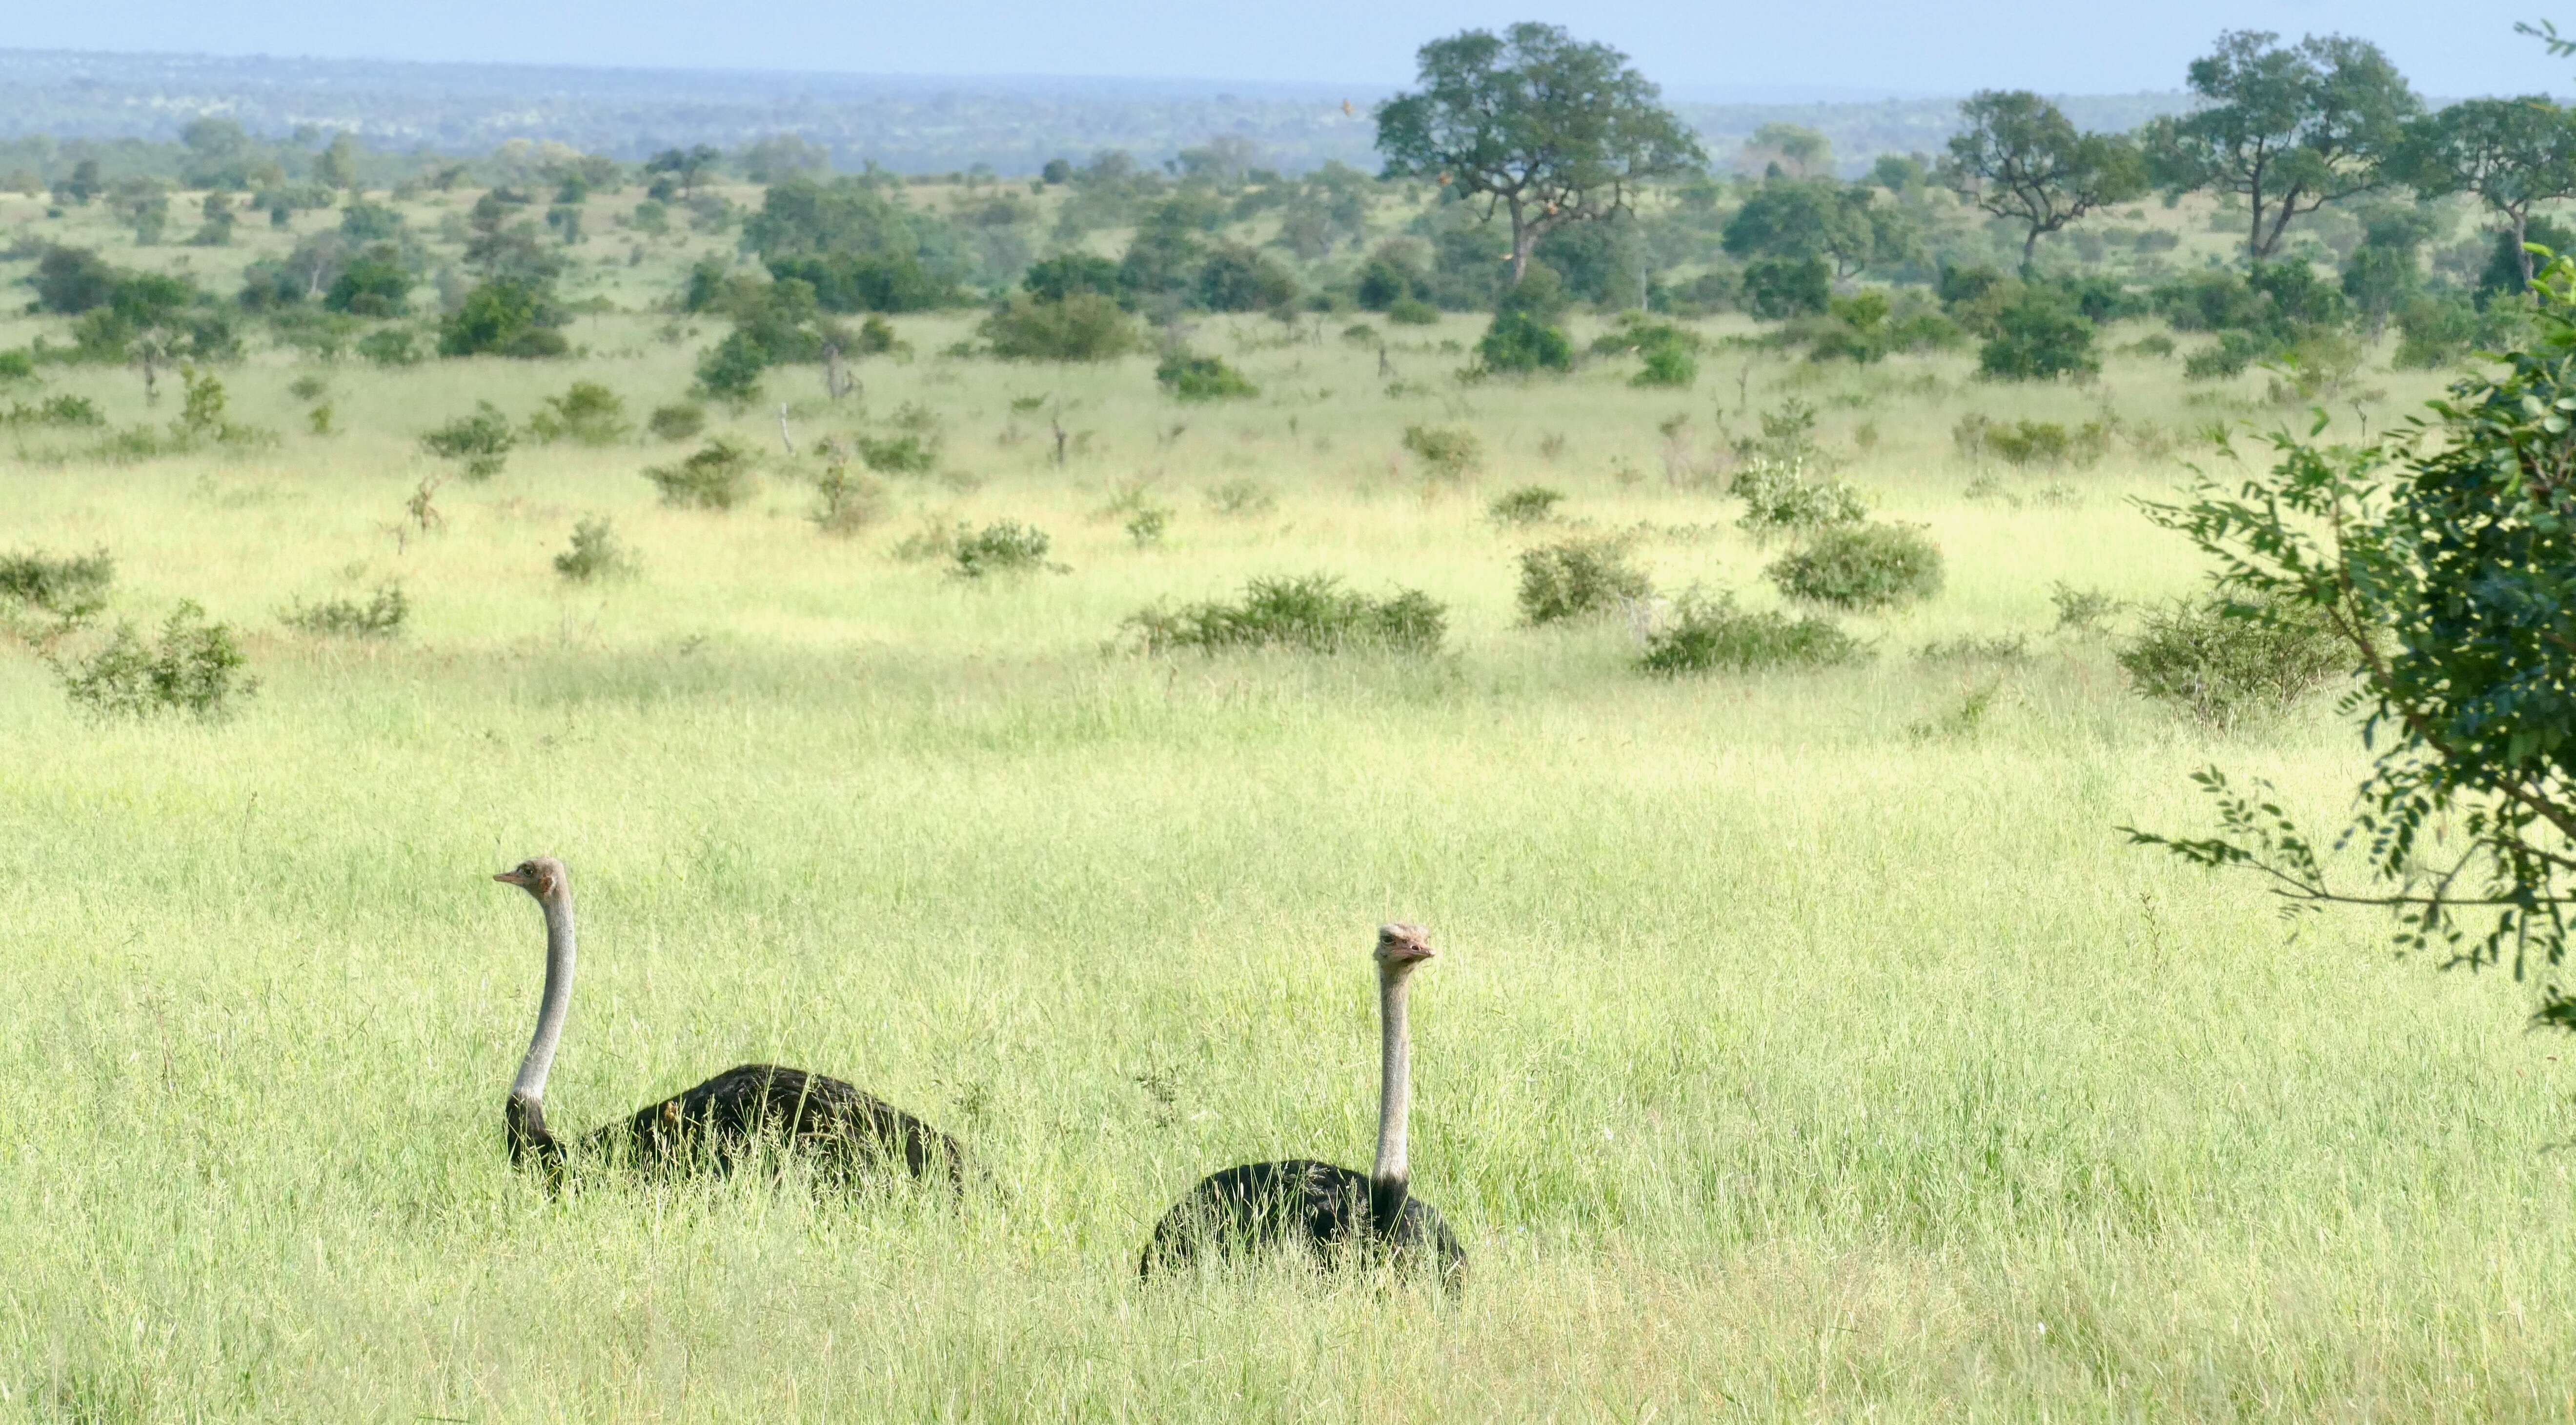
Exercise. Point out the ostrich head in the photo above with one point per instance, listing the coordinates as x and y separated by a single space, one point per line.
541 876
1400 947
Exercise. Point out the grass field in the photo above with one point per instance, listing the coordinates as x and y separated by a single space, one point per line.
1803 1046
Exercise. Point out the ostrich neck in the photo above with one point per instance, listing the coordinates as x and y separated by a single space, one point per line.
531 1083
1395 1086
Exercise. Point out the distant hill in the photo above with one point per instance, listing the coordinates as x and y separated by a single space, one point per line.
908 124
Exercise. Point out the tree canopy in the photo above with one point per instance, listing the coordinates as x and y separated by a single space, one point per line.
2019 157
2512 153
1546 128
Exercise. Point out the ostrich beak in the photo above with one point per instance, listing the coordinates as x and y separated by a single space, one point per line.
512 878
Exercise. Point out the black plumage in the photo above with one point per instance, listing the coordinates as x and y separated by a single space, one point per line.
1342 1214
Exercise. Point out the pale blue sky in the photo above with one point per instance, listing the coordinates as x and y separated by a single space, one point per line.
2448 47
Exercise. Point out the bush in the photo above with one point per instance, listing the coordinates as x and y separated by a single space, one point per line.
2024 443
481 442
846 504
906 454
1776 289
1861 567
71 587
1004 548
504 317
1711 635
716 476
1412 312
1313 613
55 411
1202 378
2039 336
1530 504
1242 497
2221 662
596 553
730 370
1519 343
194 668
589 414
1446 452
379 617
1779 498
391 346
1576 578
680 421
1081 326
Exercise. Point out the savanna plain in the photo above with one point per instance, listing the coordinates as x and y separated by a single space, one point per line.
1804 1044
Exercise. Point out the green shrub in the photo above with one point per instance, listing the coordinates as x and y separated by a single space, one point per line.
380 617
1869 566
1313 613
2082 611
1242 497
1447 453
2025 443
596 553
1776 288
1080 326
2221 662
1202 378
1518 343
588 414
2236 350
906 454
1412 312
1576 578
71 587
75 411
680 421
1003 548
716 476
391 346
17 365
1147 524
1780 498
1530 504
1357 334
2040 335
2002 648
846 504
195 668
730 370
504 317
1712 635
1667 366
479 443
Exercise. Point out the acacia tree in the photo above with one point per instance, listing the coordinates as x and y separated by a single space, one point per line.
2019 157
2288 128
1549 130
2444 556
2512 153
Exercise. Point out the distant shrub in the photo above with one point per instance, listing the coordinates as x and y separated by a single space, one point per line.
1530 504
1670 352
1712 635
908 454
2002 648
1575 578
1003 548
479 443
1861 567
1242 497
1312 613
1447 453
680 421
730 370
2040 335
2220 662
846 504
1412 312
596 553
1202 378
17 365
391 346
1781 498
1357 334
1146 525
504 317
195 667
2083 611
380 617
1519 343
1080 326
715 476
71 587
76 411
2024 443
588 414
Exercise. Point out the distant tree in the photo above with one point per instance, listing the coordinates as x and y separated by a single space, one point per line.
686 168
2017 156
778 157
1057 171
1084 326
1795 219
2385 272
1055 278
1796 150
337 165
216 154
1549 130
144 205
2511 153
72 280
503 317
2289 129
84 183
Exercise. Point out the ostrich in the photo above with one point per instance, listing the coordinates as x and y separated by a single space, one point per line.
1260 1205
844 1130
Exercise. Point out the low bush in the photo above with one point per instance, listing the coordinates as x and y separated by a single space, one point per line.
1780 498
1712 635
1447 453
681 420
1243 497
194 667
480 443
74 411
1518 343
2082 611
380 617
71 587
908 454
2025 443
846 503
1003 548
1202 378
1577 578
1861 567
596 553
1312 613
2222 662
1081 326
587 414
715 476
2001 648
1412 312
391 346
2040 335
1530 504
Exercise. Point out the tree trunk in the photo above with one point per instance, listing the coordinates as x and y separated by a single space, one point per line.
2029 253
2522 254
1524 241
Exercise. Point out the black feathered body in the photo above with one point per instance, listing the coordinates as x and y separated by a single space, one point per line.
1261 1206
843 1130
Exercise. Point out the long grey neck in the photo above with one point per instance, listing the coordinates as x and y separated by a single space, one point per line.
1395 1084
531 1083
